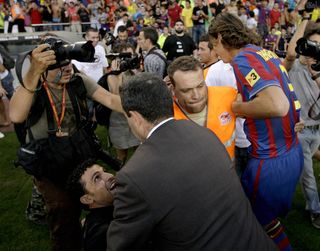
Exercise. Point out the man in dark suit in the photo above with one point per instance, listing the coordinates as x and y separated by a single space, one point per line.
178 189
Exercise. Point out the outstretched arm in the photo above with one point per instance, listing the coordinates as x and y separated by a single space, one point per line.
21 101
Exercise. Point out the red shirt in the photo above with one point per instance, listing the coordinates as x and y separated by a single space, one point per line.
274 17
174 14
35 15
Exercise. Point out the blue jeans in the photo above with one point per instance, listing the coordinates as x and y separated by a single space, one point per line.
310 141
197 31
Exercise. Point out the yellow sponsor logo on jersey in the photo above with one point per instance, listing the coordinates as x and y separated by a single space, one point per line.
291 87
252 77
297 104
266 54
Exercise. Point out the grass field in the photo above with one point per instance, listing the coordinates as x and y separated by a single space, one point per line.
16 233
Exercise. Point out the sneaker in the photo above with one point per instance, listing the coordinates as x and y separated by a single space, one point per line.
1 135
315 220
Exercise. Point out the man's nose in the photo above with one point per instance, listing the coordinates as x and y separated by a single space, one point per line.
107 176
195 93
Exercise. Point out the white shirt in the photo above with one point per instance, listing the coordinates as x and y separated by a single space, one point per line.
95 69
251 23
221 74
158 125
4 73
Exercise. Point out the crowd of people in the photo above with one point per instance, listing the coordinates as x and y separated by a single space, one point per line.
206 94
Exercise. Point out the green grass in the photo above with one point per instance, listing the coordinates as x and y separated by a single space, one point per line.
16 233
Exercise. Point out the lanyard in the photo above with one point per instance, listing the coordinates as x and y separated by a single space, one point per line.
53 106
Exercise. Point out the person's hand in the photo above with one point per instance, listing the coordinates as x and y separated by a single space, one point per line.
301 4
239 98
3 92
298 127
41 59
235 104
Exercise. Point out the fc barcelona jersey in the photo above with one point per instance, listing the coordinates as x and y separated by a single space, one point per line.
255 69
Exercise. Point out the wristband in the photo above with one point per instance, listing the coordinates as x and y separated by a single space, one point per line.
32 91
314 77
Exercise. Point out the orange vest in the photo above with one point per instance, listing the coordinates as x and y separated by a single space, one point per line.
220 118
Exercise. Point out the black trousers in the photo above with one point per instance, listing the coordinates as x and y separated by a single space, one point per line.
19 22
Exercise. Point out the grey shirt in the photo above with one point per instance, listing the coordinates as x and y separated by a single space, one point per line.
154 63
306 89
40 129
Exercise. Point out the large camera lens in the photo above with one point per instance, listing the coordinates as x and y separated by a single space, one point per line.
81 51
307 48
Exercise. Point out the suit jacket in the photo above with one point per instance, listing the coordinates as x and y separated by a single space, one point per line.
179 190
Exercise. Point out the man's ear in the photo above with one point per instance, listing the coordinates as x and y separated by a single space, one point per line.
86 199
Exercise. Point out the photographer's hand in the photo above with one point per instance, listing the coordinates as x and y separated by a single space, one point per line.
41 59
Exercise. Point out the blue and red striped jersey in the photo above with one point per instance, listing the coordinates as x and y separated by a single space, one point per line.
255 69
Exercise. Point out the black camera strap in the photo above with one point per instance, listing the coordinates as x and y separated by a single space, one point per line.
19 63
313 112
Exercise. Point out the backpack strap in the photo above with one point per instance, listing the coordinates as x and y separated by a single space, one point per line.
77 94
163 58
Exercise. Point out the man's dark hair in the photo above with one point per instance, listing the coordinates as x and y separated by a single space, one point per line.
311 29
150 33
235 34
183 63
120 47
206 38
74 185
122 28
123 8
90 29
179 21
148 95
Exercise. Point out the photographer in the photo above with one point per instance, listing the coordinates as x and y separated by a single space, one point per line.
155 60
123 37
59 138
119 132
305 80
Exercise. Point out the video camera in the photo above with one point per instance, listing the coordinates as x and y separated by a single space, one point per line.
80 51
127 60
309 49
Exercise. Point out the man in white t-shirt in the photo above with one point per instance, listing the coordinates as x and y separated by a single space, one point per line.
96 69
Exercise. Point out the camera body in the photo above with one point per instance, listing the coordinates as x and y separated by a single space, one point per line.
311 49
126 60
64 52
